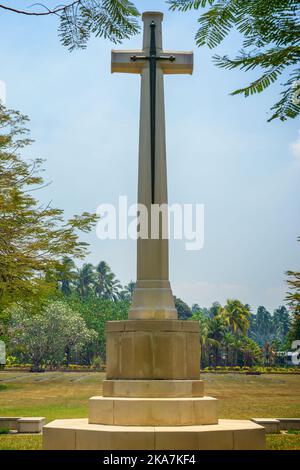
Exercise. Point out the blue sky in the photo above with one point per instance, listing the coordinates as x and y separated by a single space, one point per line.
221 152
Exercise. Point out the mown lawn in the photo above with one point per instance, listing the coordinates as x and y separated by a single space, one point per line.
65 395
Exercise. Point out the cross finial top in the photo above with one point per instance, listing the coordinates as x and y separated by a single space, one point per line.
181 62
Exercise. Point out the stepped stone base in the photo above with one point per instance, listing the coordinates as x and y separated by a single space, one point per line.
153 411
78 434
153 388
153 398
152 350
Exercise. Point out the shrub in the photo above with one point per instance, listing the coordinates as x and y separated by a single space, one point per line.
4 430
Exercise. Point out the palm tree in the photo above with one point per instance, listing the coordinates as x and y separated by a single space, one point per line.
251 351
106 285
85 279
129 288
236 316
216 331
205 341
229 343
66 275
127 292
112 288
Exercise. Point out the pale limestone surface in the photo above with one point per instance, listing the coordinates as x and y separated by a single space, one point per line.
271 425
10 422
23 425
153 349
31 425
78 434
153 388
289 423
153 296
153 411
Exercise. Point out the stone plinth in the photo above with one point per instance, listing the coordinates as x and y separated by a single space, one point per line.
153 349
153 411
271 425
31 425
140 409
289 423
153 388
78 434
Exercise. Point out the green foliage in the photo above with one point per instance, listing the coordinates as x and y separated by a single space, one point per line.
183 310
293 299
106 285
33 238
271 32
251 351
235 315
46 338
255 369
98 281
111 19
4 430
223 334
127 292
96 312
79 19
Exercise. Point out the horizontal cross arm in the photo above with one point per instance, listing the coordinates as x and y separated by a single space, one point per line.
182 62
169 62
121 62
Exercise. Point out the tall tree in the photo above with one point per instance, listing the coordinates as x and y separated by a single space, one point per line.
66 275
79 19
47 337
216 331
262 328
106 284
33 238
205 342
293 299
281 323
251 351
127 292
86 278
235 315
271 43
214 309
183 310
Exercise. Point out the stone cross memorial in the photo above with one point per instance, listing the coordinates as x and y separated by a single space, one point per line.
152 396
153 297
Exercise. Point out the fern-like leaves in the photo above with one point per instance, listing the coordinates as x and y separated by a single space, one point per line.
271 32
112 19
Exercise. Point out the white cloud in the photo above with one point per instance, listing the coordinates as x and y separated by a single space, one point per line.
295 148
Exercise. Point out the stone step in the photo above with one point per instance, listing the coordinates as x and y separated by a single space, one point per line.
78 434
271 425
153 388
23 425
153 411
289 423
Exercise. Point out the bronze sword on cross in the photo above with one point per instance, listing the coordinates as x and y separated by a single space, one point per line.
152 63
152 58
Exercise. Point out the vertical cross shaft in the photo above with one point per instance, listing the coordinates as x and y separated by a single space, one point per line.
152 298
152 58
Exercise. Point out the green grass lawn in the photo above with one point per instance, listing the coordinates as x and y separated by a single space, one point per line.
65 395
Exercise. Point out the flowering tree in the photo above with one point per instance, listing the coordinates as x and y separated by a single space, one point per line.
48 337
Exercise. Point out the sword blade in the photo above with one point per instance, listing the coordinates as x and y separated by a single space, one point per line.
152 60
